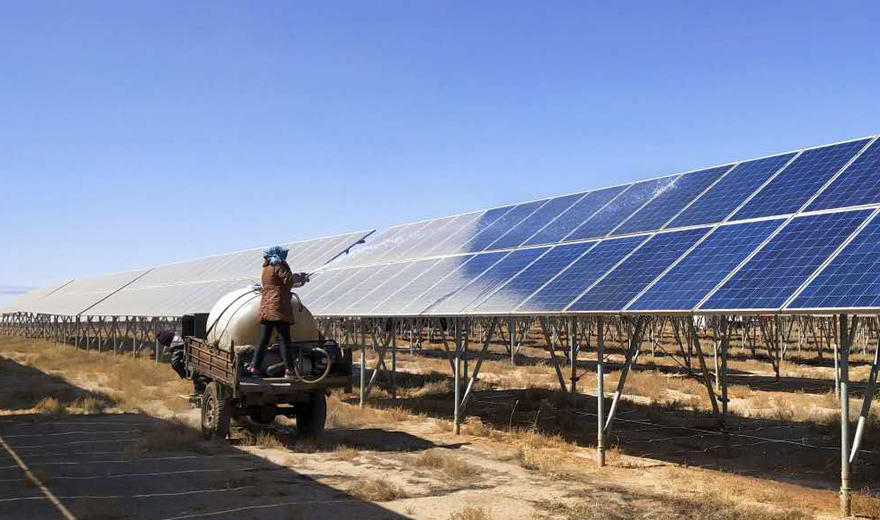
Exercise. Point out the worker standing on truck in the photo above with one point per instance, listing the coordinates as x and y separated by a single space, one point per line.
276 311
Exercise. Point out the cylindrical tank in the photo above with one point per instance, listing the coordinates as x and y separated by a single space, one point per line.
235 320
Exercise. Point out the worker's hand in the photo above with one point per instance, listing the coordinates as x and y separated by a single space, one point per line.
300 279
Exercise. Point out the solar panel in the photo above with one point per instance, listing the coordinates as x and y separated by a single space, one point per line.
521 286
784 263
471 228
367 253
359 275
28 301
851 280
628 279
671 200
454 281
564 288
397 302
537 220
382 291
686 284
487 282
732 190
609 217
402 241
426 239
82 294
501 226
576 215
858 184
366 283
794 186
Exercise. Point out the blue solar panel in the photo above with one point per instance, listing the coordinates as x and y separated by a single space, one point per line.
416 285
326 304
583 209
510 220
622 207
629 278
720 201
487 282
391 284
467 229
454 281
794 186
858 184
416 245
671 200
557 294
686 284
320 282
537 220
520 287
367 285
770 277
851 280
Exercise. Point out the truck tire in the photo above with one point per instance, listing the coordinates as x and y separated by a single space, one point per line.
216 413
310 417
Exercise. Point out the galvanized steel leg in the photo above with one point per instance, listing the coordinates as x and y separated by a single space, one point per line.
363 384
457 411
600 390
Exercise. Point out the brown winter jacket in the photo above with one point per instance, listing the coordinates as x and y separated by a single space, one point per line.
277 282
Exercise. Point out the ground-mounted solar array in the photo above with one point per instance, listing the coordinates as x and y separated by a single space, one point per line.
741 237
752 236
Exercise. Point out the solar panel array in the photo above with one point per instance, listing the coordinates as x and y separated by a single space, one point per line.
789 232
174 289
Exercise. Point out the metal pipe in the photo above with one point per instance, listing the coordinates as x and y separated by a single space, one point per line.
457 411
363 384
600 390
843 335
866 406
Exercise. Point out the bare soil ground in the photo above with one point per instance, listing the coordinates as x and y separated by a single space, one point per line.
111 438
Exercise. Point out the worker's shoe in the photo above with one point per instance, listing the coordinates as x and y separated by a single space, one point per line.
255 372
289 373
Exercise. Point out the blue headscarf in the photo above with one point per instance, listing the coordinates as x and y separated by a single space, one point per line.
275 254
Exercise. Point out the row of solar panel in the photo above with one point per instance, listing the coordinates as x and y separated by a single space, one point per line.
739 266
174 289
782 184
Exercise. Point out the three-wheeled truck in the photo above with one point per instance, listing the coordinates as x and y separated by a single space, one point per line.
225 392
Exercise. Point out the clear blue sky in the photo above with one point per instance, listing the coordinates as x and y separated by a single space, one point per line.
136 133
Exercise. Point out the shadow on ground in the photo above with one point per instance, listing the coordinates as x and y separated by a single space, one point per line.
134 466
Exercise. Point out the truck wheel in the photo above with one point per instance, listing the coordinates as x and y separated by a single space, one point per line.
216 413
310 417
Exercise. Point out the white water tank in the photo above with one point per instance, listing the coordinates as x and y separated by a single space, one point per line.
235 320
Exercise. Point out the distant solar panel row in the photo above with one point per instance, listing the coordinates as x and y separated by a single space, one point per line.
174 289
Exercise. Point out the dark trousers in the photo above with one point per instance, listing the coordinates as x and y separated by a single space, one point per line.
266 328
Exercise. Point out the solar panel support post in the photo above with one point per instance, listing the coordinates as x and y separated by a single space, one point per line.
363 379
722 373
457 377
115 327
472 382
573 355
600 391
551 335
511 333
844 335
870 388
634 345
393 359
706 380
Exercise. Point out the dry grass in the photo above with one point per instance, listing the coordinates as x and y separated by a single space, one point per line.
262 439
471 513
343 452
50 406
450 466
375 490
